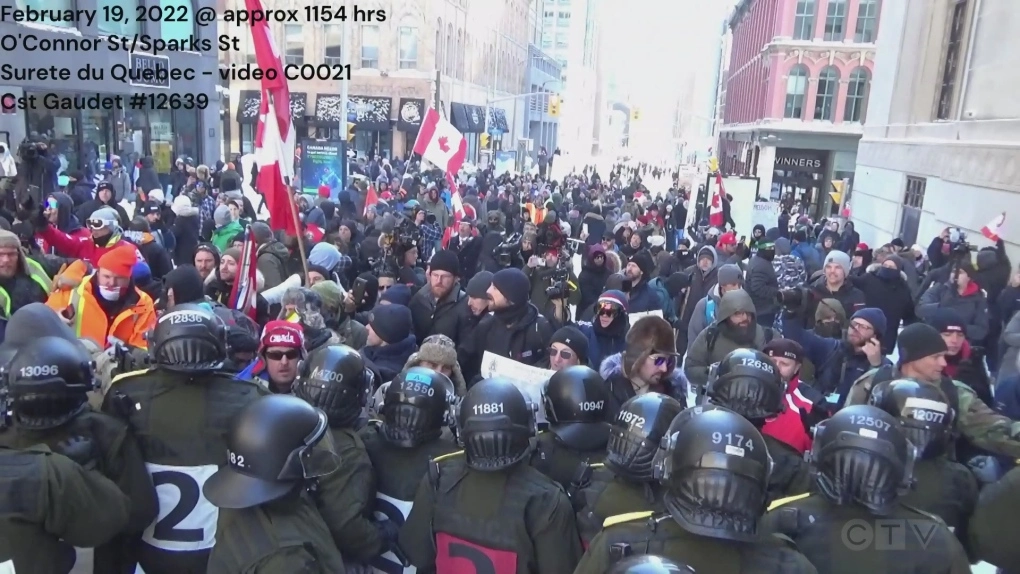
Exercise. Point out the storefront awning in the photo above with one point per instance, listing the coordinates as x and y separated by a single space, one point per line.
410 114
497 120
248 107
328 110
467 118
369 114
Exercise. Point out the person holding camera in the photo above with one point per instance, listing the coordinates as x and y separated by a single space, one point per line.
962 294
553 286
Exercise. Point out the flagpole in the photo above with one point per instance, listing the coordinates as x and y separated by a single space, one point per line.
345 60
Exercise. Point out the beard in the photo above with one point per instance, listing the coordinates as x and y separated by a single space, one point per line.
740 334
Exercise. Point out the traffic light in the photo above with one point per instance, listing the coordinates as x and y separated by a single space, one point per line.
484 140
350 132
554 106
635 115
713 165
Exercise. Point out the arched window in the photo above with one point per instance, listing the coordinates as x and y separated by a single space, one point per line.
178 20
56 5
857 90
804 20
117 17
451 47
796 88
825 99
439 44
459 62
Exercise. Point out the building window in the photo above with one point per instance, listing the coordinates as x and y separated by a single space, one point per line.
370 46
915 192
835 21
913 200
857 96
951 65
804 20
867 22
451 50
439 43
407 48
796 88
183 29
825 100
50 5
294 42
127 25
334 44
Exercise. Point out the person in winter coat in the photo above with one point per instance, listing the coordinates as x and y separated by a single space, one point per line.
592 279
156 257
273 256
329 258
963 295
702 276
1010 340
804 404
763 283
104 198
104 228
594 224
59 212
644 295
885 287
186 228
734 328
148 178
391 341
790 270
849 239
226 228
120 179
729 278
607 331
515 329
964 362
646 365
435 306
834 284
80 189
861 260
992 273
680 259
803 250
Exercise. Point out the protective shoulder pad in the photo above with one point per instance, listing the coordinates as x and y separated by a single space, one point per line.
628 517
776 504
128 375
598 465
784 539
443 457
924 513
375 423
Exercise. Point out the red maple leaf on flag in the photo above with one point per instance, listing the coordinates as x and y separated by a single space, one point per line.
444 145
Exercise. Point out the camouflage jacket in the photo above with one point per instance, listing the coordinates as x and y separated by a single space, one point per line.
983 427
790 271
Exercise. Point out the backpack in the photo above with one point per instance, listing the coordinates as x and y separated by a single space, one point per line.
713 336
666 302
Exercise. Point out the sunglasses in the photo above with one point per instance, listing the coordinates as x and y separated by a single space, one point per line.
669 362
564 354
608 311
96 224
291 355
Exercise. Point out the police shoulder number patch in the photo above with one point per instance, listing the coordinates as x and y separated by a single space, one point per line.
186 520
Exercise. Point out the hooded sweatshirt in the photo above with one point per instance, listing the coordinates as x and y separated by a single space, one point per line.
592 279
721 338
701 283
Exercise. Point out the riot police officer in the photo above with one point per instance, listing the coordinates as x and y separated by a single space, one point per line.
485 504
647 564
417 407
862 464
180 410
268 521
749 384
993 526
335 379
625 483
943 486
575 401
51 505
714 467
48 384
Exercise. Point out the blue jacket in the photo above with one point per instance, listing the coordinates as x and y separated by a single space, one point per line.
836 365
811 257
600 346
643 299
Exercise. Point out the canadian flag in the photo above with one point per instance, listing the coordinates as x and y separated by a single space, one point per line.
459 212
442 144
994 227
715 214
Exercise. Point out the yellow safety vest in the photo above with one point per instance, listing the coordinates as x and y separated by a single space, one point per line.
35 273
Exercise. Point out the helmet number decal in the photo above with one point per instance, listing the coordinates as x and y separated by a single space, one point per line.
926 410
591 406
758 364
733 442
872 422
181 317
236 459
40 371
632 419
488 408
421 388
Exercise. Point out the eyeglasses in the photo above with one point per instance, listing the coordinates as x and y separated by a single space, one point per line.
290 355
565 354
861 326
96 224
669 362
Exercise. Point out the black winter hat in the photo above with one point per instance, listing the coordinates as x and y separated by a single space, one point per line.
643 260
918 341
946 320
391 323
478 286
445 260
513 284
573 338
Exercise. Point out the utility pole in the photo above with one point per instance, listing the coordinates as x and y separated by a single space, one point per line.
345 57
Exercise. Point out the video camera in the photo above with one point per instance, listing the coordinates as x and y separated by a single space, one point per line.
507 249
958 244
793 298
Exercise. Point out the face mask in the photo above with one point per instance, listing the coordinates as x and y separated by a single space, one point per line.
109 293
886 273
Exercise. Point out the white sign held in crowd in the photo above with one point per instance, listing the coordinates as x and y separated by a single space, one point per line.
765 213
634 317
530 380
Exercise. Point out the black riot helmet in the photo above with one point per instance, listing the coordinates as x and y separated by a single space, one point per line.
274 445
416 407
862 456
923 411
715 467
335 379
575 402
635 433
749 384
648 564
48 382
496 425
189 339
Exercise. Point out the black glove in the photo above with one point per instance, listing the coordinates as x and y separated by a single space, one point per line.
388 531
79 449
